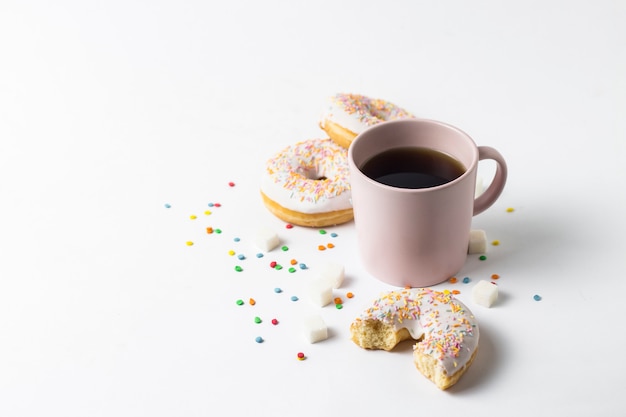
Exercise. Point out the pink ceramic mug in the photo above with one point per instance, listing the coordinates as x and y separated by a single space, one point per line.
418 236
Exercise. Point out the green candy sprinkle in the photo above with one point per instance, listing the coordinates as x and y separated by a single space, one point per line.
257 320
240 302
292 270
322 232
238 268
482 257
284 248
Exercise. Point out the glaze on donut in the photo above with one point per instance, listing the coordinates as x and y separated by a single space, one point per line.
307 184
347 115
445 331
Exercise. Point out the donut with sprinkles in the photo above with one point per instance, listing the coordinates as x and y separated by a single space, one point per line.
307 184
347 115
444 329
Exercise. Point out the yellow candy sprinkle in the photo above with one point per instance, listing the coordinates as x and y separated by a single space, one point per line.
510 210
231 252
193 217
189 243
207 213
495 242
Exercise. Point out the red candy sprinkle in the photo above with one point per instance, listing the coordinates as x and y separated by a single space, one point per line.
289 226
231 184
274 322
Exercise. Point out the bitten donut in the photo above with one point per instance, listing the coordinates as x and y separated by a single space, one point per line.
444 328
307 184
347 115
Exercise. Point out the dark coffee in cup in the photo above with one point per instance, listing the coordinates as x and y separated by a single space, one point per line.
413 167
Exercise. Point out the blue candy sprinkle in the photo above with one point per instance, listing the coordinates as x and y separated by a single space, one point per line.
303 266
241 257
466 280
277 290
259 255
236 239
537 297
294 298
333 234
259 339
167 205
211 204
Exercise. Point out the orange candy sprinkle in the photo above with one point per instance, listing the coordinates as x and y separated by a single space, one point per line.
321 247
349 295
495 276
338 300
453 280
293 262
209 230
252 301
330 246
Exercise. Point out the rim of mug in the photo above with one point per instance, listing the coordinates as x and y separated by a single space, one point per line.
383 125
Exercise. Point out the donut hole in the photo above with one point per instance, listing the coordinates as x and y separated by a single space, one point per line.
315 175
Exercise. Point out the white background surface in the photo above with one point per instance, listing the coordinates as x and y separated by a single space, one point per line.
110 110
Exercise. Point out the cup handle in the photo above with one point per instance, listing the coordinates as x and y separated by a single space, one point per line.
491 194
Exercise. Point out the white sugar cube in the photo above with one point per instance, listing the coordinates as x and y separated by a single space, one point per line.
266 239
315 329
321 292
334 273
485 293
477 242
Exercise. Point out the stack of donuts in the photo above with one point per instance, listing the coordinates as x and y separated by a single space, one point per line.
307 183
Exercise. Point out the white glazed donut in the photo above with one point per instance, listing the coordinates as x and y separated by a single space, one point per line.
307 184
444 328
347 115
